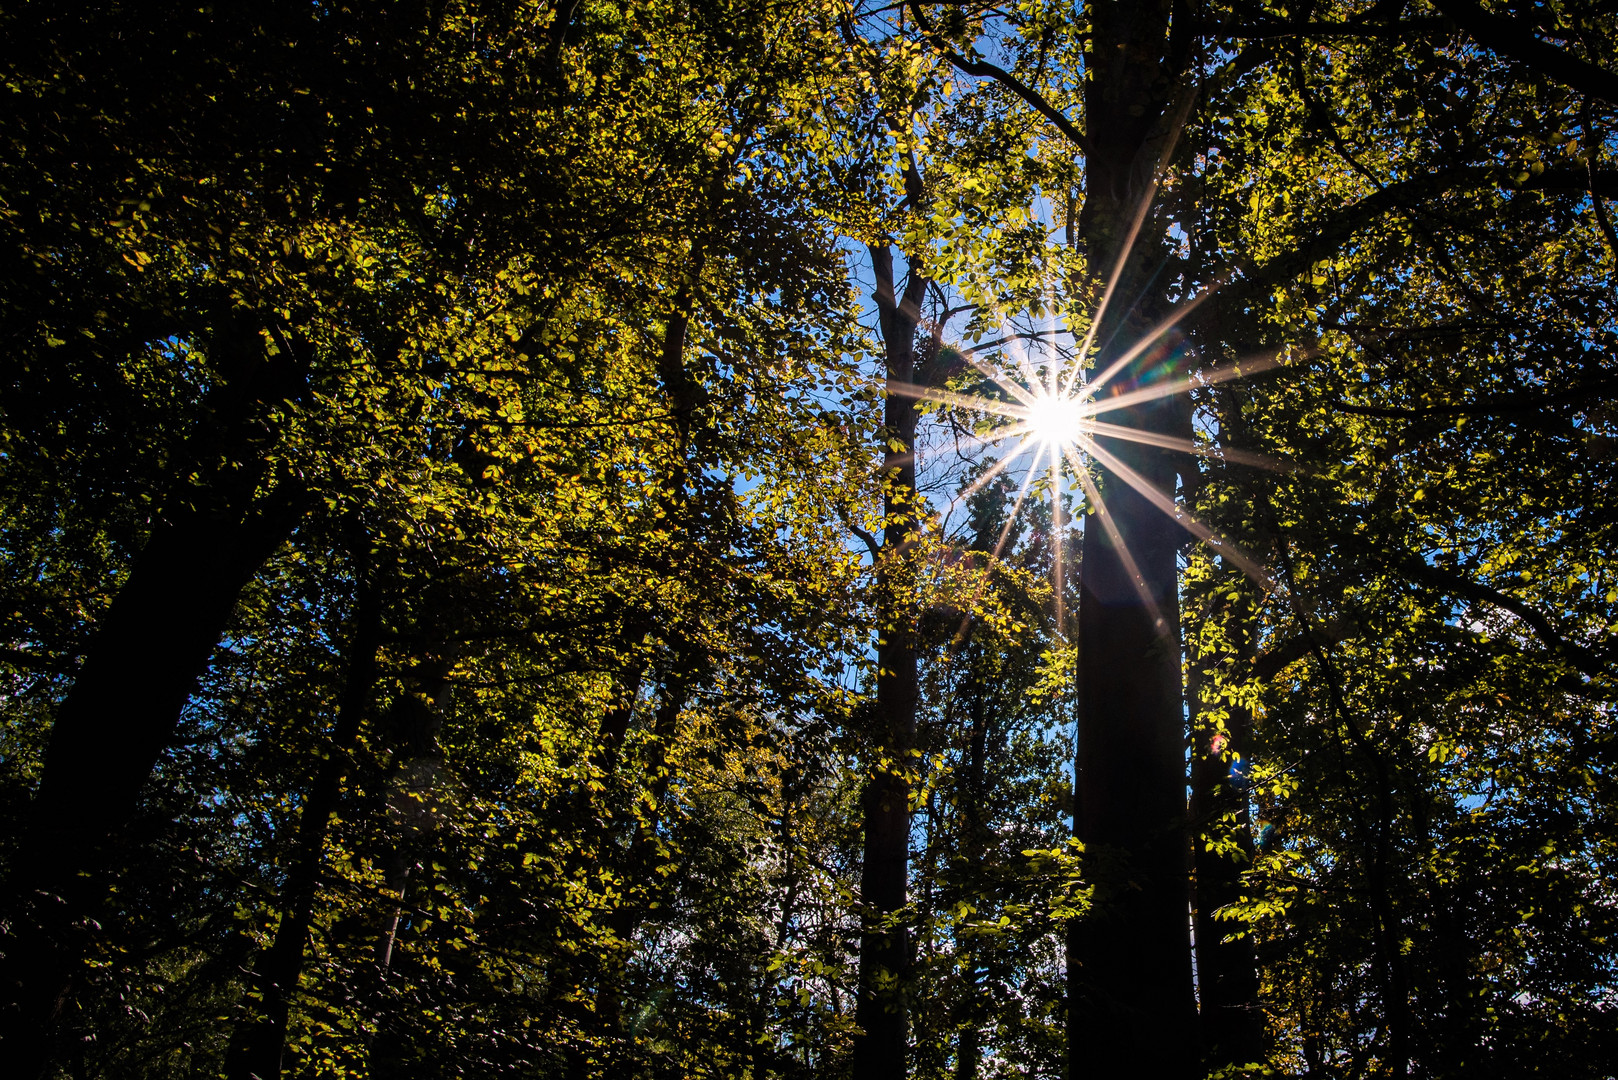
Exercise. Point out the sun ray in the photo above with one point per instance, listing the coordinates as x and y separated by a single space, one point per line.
1165 152
1053 369
1207 377
1151 337
1117 274
1187 520
1009 386
1016 508
1054 411
1021 430
1170 442
963 401
1025 368
994 470
1000 543
1093 496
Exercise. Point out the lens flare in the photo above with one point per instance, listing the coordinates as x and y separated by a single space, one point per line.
1051 414
1056 420
1052 420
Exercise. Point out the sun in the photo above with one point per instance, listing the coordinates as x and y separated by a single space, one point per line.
1057 421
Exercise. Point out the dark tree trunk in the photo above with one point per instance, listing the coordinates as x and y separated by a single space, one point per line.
1132 1010
141 666
968 1053
257 1044
1227 971
412 727
882 1012
973 837
1232 1022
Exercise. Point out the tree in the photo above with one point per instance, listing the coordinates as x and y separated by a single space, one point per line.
240 246
456 421
358 303
993 875
1324 177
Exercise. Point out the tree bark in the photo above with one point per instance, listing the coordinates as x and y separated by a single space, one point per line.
257 1044
882 1013
1132 1010
1131 1001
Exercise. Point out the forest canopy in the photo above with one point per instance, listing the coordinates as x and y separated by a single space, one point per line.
809 538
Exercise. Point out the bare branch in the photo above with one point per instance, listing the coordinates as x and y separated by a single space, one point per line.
1258 31
989 346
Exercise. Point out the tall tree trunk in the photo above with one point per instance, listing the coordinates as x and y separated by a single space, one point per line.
882 1012
1227 971
257 1044
973 835
1232 1022
1131 999
412 726
141 666
115 722
1132 1010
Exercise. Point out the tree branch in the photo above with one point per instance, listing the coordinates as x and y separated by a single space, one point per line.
870 541
1516 40
1327 237
1399 30
1032 335
1504 405
985 70
1591 144
1588 662
1273 661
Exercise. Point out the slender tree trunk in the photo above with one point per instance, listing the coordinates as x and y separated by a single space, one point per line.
1132 1010
1227 971
412 727
969 1050
258 1042
1232 1022
882 1012
398 879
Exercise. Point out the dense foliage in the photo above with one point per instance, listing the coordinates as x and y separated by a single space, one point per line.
500 573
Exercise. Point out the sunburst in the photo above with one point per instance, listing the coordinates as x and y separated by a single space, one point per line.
1052 424
1052 416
